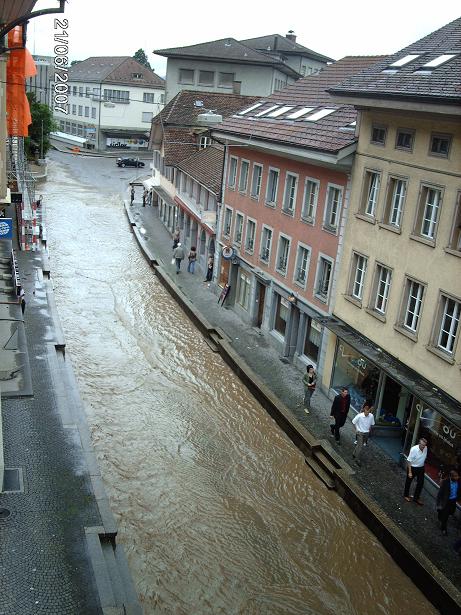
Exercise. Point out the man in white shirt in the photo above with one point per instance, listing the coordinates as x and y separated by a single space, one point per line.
415 469
363 423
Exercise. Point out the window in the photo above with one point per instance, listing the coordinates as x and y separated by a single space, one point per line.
322 286
266 242
137 75
455 241
378 135
357 276
250 236
118 96
87 112
80 110
381 288
312 339
272 185
148 97
302 266
256 181
311 194
74 90
283 253
80 90
87 91
93 113
206 77
370 193
225 80
204 142
404 139
238 229
282 313
74 109
243 291
243 179
147 116
429 203
162 99
395 199
186 76
227 222
440 145
411 305
333 206
289 198
447 324
232 172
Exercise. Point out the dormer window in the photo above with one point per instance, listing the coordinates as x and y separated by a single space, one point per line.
137 75
405 60
439 60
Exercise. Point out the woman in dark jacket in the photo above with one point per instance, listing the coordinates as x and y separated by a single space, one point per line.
339 410
446 499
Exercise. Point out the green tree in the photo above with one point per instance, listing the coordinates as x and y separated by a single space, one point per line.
75 62
43 123
141 57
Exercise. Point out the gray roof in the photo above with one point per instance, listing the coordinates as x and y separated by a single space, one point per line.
411 81
116 70
277 43
229 50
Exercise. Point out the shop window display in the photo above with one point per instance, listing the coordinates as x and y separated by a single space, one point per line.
357 373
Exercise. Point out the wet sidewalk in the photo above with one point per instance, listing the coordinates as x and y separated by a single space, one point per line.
379 475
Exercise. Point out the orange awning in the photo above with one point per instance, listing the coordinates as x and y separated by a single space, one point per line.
20 65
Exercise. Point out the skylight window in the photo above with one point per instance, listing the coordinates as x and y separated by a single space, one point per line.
440 60
300 113
280 111
268 110
318 115
405 60
255 106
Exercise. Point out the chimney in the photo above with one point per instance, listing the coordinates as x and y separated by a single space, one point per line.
291 36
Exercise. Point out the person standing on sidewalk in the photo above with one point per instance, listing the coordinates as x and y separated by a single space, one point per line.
176 238
132 195
209 269
178 255
192 257
363 424
309 382
415 469
446 499
339 410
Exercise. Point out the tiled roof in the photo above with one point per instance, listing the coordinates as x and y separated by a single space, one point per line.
205 166
182 110
178 144
440 84
114 69
225 49
278 43
329 134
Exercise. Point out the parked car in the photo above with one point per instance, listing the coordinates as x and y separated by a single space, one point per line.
129 162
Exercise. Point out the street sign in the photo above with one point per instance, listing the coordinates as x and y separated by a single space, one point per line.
6 228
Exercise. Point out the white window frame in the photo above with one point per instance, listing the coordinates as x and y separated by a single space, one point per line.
280 270
418 294
239 214
232 160
297 269
264 228
320 296
277 171
254 195
359 265
224 233
243 273
423 207
293 194
447 323
370 193
395 201
381 288
312 205
252 249
244 188
328 210
180 80
455 237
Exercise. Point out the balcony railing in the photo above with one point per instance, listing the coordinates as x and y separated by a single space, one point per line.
265 252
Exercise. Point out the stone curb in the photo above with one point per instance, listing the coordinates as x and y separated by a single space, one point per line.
427 577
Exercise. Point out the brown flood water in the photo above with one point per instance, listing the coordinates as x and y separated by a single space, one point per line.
216 508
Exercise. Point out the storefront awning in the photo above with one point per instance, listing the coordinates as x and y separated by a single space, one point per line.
404 375
163 194
149 183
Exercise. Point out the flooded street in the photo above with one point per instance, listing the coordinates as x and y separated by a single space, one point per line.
216 508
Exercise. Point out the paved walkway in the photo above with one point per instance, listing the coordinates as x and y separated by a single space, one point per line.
380 476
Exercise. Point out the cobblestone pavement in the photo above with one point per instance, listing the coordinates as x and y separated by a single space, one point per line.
44 567
380 476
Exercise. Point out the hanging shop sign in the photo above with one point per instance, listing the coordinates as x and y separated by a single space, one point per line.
228 253
6 228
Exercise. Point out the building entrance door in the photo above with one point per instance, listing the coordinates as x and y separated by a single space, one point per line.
261 296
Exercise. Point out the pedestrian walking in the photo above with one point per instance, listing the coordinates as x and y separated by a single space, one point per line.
176 238
132 195
23 305
339 410
309 382
447 496
192 257
209 269
415 469
178 255
363 424
144 197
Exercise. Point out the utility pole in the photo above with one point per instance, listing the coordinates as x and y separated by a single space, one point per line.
41 148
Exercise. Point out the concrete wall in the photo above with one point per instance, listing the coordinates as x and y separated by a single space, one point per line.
399 249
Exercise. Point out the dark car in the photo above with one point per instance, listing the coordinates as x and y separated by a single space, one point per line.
129 162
